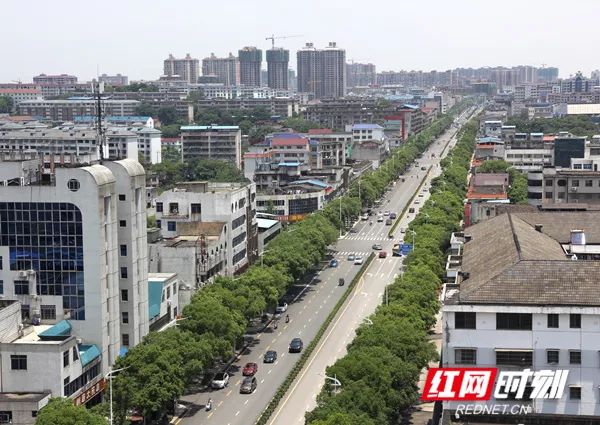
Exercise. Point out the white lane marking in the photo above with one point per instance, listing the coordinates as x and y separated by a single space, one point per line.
262 380
246 402
237 413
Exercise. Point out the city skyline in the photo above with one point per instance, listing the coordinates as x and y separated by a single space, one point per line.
391 37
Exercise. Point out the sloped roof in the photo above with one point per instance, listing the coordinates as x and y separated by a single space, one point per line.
87 353
558 225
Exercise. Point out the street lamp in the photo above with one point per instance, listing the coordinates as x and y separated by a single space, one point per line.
172 323
336 382
109 375
367 321
413 238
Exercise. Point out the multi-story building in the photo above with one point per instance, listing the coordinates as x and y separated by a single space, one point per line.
72 250
578 84
322 71
361 74
529 152
250 59
233 204
484 189
219 91
117 80
20 94
67 110
212 142
55 80
277 106
328 149
227 70
524 295
278 68
187 68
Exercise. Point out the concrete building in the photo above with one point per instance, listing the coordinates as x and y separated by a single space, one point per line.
115 80
361 74
524 295
19 95
67 110
328 149
72 243
212 142
322 72
234 204
163 299
277 68
227 70
484 189
250 64
187 68
529 152
277 106
55 80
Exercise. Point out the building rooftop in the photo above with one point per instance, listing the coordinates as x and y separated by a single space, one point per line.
367 127
23 397
87 353
265 223
160 277
209 127
197 228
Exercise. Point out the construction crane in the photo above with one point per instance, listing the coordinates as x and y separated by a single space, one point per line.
17 81
273 38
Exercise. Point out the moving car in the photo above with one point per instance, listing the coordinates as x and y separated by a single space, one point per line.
220 380
296 345
389 222
377 247
402 230
250 369
351 257
248 385
421 195
358 261
379 218
281 307
393 215
423 168
364 217
417 202
411 210
341 282
333 263
382 254
386 213
270 356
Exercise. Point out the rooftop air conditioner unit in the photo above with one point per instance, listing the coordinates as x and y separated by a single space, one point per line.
22 274
574 189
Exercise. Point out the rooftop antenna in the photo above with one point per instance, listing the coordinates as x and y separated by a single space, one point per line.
100 128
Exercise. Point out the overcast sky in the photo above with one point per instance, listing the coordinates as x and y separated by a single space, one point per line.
132 37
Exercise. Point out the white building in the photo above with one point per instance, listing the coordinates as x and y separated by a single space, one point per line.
212 142
517 299
362 132
163 296
62 239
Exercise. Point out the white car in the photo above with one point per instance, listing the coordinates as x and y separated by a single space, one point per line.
358 261
220 380
417 202
379 218
281 307
386 213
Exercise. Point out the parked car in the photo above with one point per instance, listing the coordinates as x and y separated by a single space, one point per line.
421 195
411 210
379 218
417 202
386 213
402 230
248 385
250 369
382 254
377 247
393 215
358 261
423 168
333 263
364 217
296 345
270 356
351 257
281 307
389 222
220 380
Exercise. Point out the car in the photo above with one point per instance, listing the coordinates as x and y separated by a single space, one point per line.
220 380
250 369
393 215
379 218
358 261
382 254
377 247
389 222
417 202
386 213
270 356
411 210
281 307
364 217
353 230
351 257
248 385
421 195
402 230
333 263
296 345
423 168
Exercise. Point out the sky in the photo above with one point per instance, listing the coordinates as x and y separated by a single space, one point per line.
133 37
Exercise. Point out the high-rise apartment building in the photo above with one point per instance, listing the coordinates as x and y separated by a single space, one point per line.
227 70
115 80
322 71
55 80
187 68
361 74
277 68
250 62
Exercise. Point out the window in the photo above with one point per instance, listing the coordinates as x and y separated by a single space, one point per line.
513 321
195 208
549 183
18 362
123 250
25 312
514 358
548 195
464 320
73 185
588 183
0 262
553 321
174 208
1 286
48 312
75 354
21 287
575 183
125 340
465 356
66 358
174 288
66 380
122 223
552 356
123 272
574 393
122 197
159 207
125 317
561 195
171 226
124 295
575 321
575 357
168 292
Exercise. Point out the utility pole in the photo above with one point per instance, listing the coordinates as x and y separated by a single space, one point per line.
100 129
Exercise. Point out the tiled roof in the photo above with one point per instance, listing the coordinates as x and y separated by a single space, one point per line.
289 142
558 225
320 131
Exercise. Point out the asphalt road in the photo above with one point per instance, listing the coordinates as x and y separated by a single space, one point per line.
307 312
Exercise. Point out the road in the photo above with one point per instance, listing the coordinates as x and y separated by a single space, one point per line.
308 311
369 293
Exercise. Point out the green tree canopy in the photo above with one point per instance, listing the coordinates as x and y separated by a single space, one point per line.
6 104
62 411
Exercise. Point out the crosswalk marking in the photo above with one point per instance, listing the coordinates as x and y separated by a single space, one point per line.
344 253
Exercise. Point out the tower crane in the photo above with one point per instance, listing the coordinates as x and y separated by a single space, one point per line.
273 38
